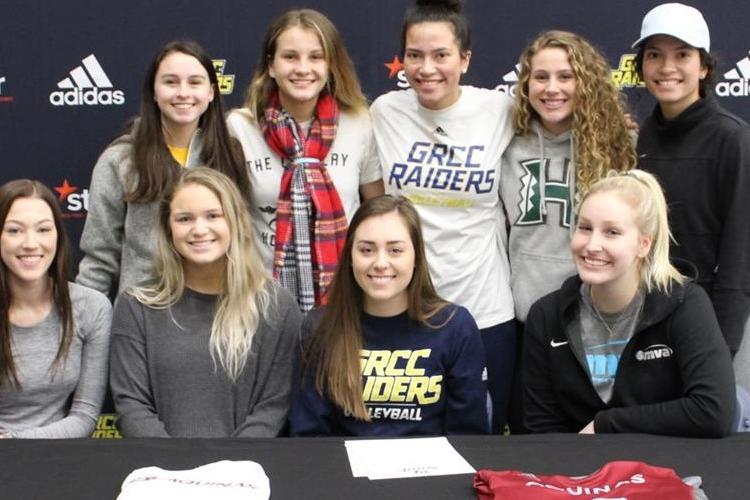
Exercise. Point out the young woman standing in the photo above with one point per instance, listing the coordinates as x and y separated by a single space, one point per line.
181 124
570 131
440 145
309 148
701 155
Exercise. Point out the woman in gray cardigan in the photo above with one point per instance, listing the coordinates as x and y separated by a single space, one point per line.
181 124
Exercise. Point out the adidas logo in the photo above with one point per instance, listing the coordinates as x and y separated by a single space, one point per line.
441 131
87 85
511 81
740 86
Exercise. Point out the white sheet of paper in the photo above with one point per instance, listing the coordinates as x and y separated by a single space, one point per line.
396 458
356 461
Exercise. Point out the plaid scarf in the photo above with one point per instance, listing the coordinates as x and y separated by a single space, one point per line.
310 219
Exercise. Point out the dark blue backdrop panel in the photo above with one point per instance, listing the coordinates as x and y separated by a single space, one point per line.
71 72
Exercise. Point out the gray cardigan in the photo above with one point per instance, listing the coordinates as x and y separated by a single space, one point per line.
166 384
118 239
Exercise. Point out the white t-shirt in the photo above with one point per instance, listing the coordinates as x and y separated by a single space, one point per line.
447 162
351 162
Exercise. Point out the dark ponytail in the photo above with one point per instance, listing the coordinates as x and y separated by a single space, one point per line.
436 11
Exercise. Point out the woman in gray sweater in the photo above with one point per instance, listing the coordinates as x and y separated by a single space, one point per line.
54 335
204 349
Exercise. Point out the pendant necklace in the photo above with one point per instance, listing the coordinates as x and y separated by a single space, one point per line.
618 318
604 321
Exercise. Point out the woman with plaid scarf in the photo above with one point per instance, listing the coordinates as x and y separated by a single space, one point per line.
309 150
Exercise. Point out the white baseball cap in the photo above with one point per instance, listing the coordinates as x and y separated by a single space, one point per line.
678 20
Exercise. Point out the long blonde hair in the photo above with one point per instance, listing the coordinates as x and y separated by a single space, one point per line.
343 83
245 296
643 193
602 139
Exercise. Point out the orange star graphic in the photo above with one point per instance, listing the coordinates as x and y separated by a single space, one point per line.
65 190
394 66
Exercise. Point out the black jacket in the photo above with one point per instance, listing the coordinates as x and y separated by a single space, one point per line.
702 160
674 377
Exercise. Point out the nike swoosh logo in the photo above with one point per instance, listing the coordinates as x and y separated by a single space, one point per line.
557 344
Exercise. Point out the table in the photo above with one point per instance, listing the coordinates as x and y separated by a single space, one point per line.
318 468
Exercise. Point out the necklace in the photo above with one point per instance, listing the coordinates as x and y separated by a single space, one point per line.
611 327
605 322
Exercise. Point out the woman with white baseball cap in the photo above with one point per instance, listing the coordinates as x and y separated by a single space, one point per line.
701 155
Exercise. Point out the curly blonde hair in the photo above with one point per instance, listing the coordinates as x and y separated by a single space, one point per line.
599 130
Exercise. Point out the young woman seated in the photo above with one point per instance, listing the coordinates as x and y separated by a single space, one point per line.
205 348
387 355
629 344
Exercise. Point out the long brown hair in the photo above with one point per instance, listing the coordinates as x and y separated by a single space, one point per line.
59 272
343 83
334 348
602 139
154 169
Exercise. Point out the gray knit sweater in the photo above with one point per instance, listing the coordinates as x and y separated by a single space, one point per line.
118 239
165 383
62 403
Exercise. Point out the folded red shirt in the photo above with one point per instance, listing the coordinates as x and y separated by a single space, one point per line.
621 479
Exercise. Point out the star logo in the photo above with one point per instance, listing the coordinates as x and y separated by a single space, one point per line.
65 190
394 66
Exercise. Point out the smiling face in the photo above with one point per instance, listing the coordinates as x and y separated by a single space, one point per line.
607 245
200 232
552 89
672 71
29 241
300 70
182 90
383 263
433 63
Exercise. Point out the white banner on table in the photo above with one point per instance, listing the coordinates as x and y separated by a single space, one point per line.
396 458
